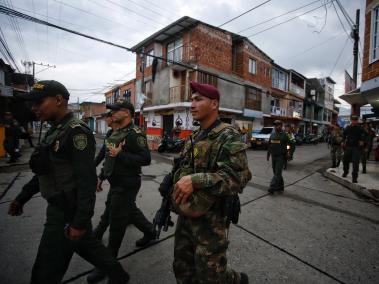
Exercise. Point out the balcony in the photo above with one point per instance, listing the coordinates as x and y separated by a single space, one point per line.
184 54
295 112
178 94
279 111
297 90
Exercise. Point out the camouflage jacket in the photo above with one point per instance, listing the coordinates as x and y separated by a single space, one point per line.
217 163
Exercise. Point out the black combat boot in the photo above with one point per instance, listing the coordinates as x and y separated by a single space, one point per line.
354 180
146 239
338 163
244 278
334 165
364 170
96 275
344 174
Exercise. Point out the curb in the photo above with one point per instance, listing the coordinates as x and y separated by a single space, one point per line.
369 193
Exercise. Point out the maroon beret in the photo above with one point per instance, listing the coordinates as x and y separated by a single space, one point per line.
205 90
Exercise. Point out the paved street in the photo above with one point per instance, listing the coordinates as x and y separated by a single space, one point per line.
316 232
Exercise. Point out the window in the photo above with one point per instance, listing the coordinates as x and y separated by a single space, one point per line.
253 99
127 94
149 59
374 34
279 80
206 79
175 51
252 66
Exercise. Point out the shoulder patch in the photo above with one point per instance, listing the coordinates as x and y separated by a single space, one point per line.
141 141
80 141
137 130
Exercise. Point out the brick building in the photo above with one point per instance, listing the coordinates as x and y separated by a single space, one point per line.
368 93
91 113
212 54
125 91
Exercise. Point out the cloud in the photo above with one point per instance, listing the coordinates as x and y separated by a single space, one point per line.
85 64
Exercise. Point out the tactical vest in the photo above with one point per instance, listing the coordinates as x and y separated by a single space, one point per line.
118 136
278 144
202 158
61 175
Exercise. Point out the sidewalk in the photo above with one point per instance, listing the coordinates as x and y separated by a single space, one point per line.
25 152
368 184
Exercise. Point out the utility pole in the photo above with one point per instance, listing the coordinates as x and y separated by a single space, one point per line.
33 64
355 109
141 120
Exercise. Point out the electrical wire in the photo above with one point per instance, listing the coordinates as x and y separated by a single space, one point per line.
276 17
244 13
338 57
286 21
335 9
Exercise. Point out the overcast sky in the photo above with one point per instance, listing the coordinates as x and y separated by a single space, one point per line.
309 44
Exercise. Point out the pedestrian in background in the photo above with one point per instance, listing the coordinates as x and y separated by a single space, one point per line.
277 149
335 143
12 134
353 136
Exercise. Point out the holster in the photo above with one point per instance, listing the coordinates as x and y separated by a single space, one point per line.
231 208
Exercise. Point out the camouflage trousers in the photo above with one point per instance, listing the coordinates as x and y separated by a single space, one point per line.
336 154
200 251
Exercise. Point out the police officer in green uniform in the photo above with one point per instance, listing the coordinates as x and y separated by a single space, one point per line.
353 143
66 177
212 171
277 149
126 153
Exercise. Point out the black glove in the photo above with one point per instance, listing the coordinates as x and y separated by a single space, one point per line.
15 208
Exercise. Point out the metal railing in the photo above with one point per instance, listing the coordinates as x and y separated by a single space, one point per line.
185 53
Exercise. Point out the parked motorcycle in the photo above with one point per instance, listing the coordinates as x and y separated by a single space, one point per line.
289 155
311 139
170 145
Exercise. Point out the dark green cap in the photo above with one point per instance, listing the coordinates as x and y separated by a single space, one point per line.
278 122
120 105
46 88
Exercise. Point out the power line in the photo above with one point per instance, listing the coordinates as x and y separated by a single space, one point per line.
335 9
244 13
162 9
7 51
92 14
338 57
134 12
291 19
276 17
344 12
149 9
315 46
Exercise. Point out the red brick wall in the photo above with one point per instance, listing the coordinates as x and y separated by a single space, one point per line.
92 109
263 71
213 48
148 70
369 71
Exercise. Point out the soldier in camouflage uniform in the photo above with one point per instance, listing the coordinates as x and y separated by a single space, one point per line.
277 149
126 153
335 142
213 167
66 177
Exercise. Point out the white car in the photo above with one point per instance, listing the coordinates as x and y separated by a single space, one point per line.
261 139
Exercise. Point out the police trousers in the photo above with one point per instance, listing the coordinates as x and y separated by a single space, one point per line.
56 250
200 251
123 211
277 182
351 154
